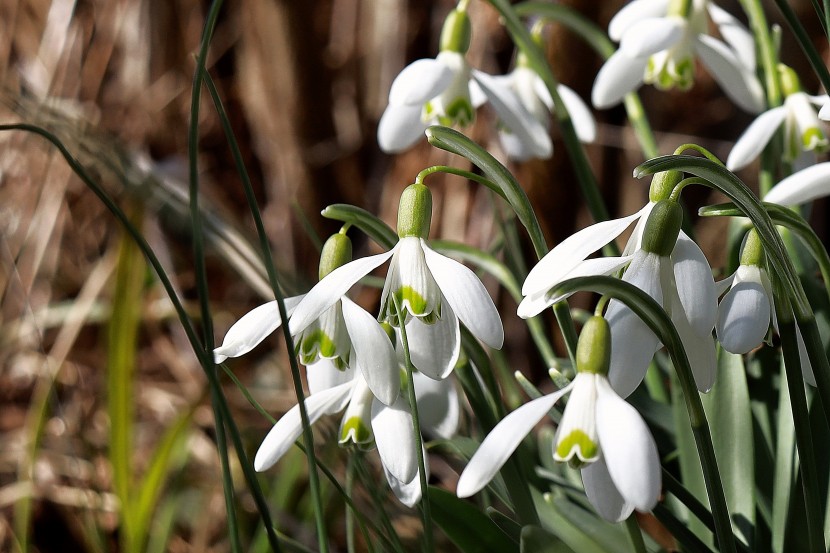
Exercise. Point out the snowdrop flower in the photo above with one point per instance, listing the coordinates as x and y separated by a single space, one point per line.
432 291
367 423
802 127
441 91
747 310
662 261
802 187
340 332
658 44
527 86
599 433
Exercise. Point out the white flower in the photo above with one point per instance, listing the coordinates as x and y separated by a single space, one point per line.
802 187
745 312
367 422
802 131
658 47
433 291
680 280
445 91
532 94
598 428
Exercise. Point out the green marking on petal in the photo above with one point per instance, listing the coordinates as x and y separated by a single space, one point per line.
814 139
410 299
577 448
353 430
461 111
317 341
685 74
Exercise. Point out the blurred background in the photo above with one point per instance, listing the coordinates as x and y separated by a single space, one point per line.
304 84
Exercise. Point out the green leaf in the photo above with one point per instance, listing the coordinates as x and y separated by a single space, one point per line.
510 527
581 530
376 229
468 528
535 539
727 407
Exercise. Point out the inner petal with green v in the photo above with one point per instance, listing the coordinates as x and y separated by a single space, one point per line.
577 448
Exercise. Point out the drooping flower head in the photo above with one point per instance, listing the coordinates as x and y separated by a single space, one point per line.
432 292
659 40
803 132
337 334
600 433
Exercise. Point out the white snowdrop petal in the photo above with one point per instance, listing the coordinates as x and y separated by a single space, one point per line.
419 82
633 12
502 441
740 84
628 449
250 330
651 35
619 75
755 138
744 313
331 288
290 427
824 112
593 267
583 121
603 494
400 127
395 439
802 187
733 31
438 406
434 348
323 375
408 493
467 297
373 352
695 284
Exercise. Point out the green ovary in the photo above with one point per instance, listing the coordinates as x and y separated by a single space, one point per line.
580 443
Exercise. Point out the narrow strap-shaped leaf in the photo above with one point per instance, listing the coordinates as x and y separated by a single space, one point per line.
468 528
370 224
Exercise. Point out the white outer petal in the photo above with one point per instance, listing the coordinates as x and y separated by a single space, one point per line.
373 352
603 494
824 112
695 284
467 296
250 330
323 375
755 138
632 342
331 288
419 82
438 406
572 251
744 313
399 128
733 31
651 35
583 120
515 116
633 12
395 438
619 75
289 428
700 348
740 84
628 449
502 441
408 493
434 348
802 187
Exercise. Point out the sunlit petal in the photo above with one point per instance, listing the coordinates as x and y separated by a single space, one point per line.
619 75
583 120
434 348
744 313
502 442
755 138
289 428
249 331
634 12
467 296
651 35
400 127
802 187
733 31
395 438
695 284
739 83
419 82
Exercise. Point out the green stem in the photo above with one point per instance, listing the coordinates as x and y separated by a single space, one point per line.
638 545
308 436
461 173
769 57
806 44
804 440
416 424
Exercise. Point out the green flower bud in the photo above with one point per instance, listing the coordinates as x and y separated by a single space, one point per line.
662 228
662 185
415 211
337 251
790 84
752 252
593 350
456 33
